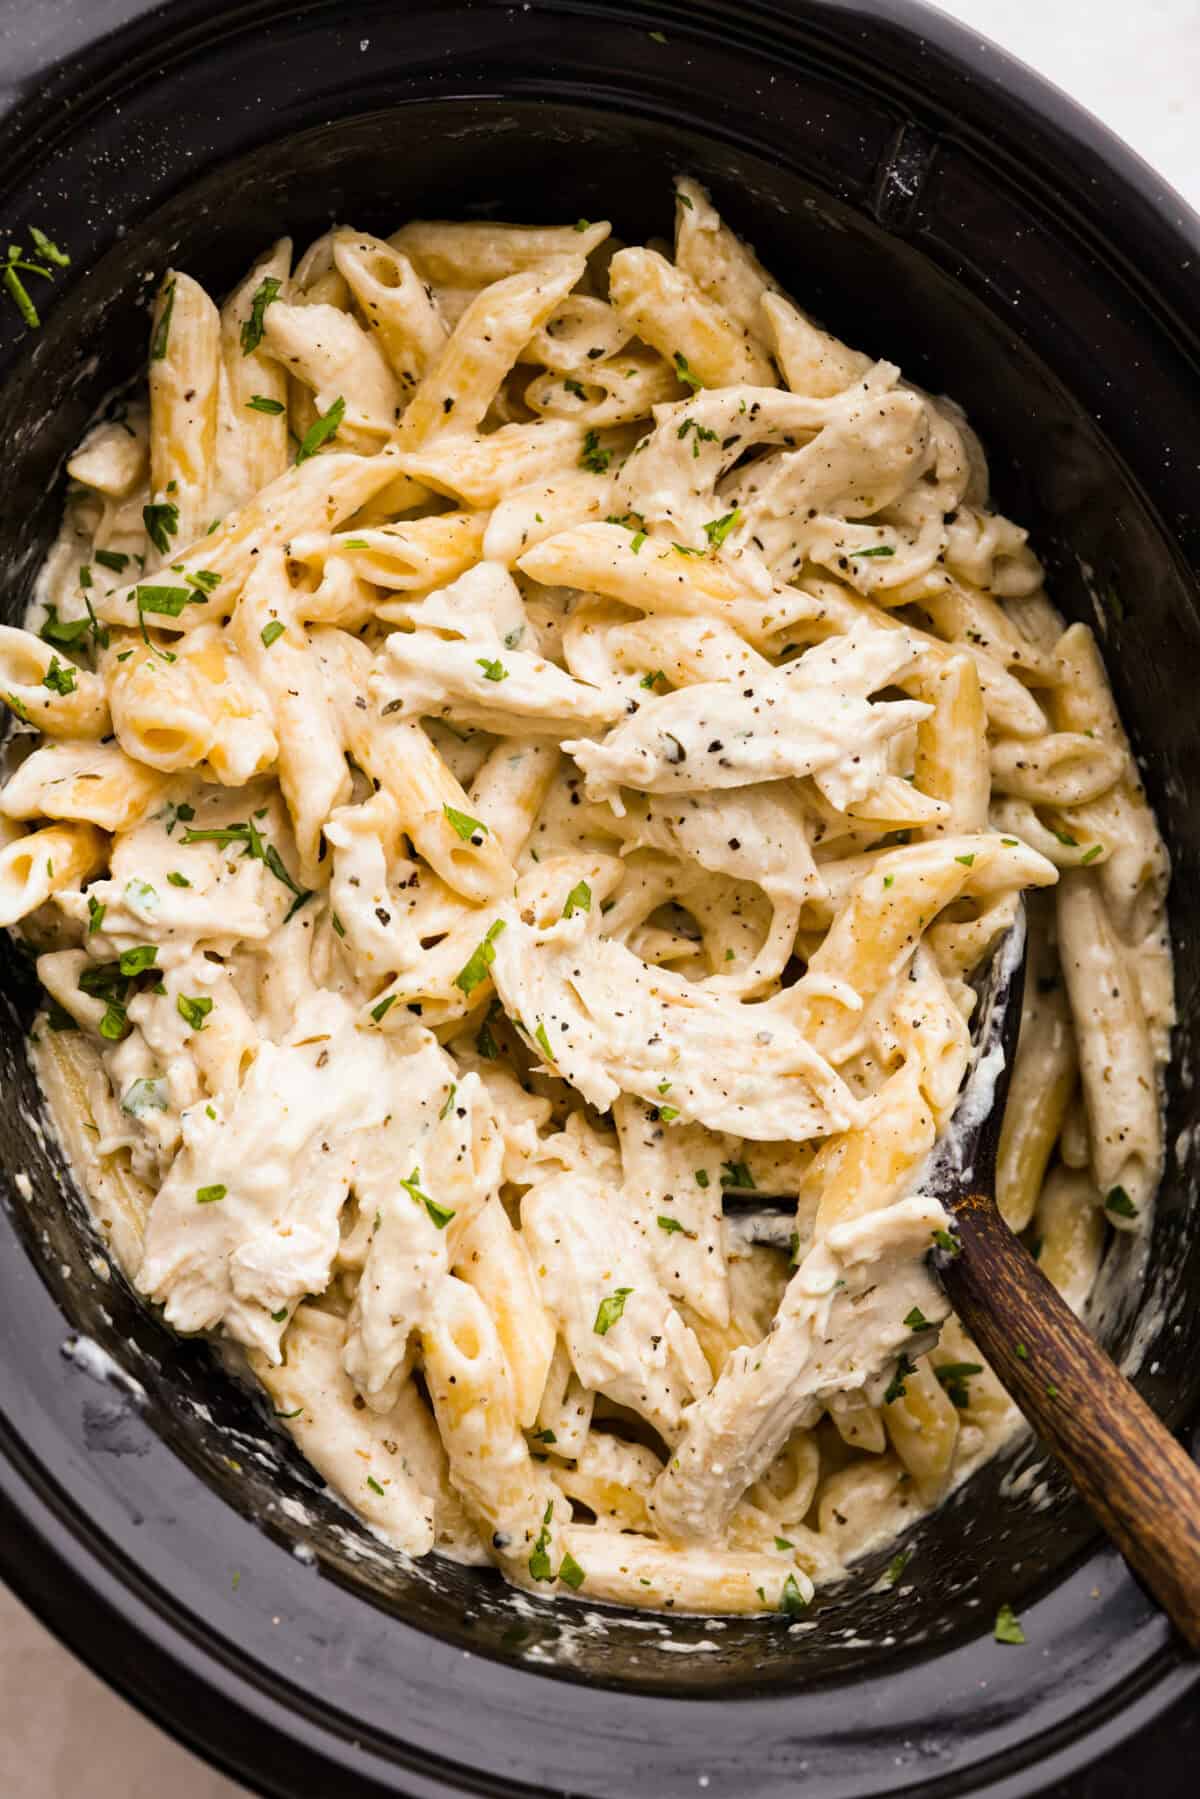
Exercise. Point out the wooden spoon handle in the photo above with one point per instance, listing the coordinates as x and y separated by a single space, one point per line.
1139 1481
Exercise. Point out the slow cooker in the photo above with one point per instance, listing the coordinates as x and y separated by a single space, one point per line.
929 199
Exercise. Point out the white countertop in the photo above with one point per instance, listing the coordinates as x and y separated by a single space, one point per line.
63 1735
1137 67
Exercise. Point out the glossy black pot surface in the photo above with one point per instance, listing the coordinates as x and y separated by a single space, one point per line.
932 201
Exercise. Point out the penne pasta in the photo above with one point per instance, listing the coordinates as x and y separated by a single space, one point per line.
254 382
51 694
524 741
47 861
185 364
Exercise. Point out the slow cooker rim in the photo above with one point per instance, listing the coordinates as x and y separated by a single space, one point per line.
40 1528
275 1734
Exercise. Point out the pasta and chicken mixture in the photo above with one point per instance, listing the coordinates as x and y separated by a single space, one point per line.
519 734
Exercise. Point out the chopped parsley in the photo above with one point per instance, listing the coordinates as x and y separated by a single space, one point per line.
967 861
464 825
543 1436
374 1485
485 1043
262 403
59 677
67 634
569 1571
208 1196
104 981
167 601
954 1377
322 429
136 961
48 250
113 1024
718 529
441 1215
116 560
668 1114
445 1111
162 331
273 632
475 970
543 1042
279 1316
380 1012
1008 1626
17 289
578 900
650 681
194 1010
145 1095
592 457
896 1388
1065 837
735 1174
539 1559
252 328
140 894
916 1320
95 915
247 833
684 371
492 671
1117 1201
879 549
701 1177
610 1309
161 519
672 1225
945 1241
703 435
791 1599
896 1567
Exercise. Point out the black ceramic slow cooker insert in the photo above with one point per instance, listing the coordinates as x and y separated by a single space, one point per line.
931 201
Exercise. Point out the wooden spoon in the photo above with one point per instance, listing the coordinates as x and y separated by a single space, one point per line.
1138 1480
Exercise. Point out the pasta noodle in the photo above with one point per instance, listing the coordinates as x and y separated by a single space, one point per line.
546 734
